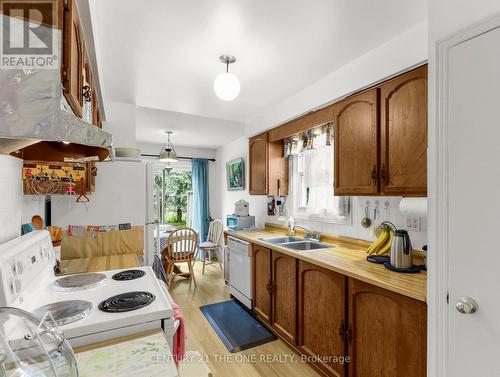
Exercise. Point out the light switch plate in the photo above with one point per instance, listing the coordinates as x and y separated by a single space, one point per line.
413 223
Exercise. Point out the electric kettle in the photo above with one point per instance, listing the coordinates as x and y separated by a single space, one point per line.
401 250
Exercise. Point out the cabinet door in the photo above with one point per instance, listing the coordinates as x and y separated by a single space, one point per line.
258 157
403 169
278 170
72 70
388 333
284 297
261 263
356 145
322 297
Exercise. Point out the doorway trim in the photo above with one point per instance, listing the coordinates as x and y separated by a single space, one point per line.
438 168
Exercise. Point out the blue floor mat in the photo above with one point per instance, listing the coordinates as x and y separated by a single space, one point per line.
236 326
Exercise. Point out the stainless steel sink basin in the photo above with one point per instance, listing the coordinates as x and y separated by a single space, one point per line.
281 240
305 245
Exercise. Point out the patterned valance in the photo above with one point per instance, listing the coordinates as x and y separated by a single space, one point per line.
313 138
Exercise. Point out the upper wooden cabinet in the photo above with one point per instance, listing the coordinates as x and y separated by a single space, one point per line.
356 145
403 153
386 154
268 168
73 58
386 333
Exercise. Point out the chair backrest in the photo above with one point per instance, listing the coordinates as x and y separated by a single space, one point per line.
181 244
215 231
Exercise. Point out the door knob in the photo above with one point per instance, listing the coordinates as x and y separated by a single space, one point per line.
467 305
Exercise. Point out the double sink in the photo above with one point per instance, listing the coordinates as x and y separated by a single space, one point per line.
296 243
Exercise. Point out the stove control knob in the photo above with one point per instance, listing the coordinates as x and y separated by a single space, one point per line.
20 268
17 285
14 268
11 285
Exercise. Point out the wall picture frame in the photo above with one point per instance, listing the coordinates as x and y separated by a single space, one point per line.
235 172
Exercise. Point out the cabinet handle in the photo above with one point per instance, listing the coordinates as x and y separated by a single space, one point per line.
374 175
349 334
269 287
279 187
342 329
383 175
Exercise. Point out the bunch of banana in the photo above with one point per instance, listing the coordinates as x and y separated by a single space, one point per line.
383 243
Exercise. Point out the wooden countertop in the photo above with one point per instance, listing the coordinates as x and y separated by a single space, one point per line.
96 264
347 257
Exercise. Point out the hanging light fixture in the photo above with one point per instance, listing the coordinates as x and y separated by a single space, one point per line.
168 154
227 85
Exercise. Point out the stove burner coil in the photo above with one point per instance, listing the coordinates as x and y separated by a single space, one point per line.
129 275
126 302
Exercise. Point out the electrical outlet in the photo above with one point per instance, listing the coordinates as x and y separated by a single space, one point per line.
413 223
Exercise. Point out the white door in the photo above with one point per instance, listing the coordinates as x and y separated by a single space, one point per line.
474 205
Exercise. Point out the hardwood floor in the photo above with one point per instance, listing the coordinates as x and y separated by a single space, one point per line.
271 359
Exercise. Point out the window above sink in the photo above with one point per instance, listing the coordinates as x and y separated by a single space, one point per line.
311 188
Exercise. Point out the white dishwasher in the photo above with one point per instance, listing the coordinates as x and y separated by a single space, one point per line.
240 266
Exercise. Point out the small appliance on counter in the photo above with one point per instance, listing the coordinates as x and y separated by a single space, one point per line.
241 208
402 253
234 222
240 219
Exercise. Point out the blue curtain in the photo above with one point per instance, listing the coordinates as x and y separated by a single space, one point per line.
200 197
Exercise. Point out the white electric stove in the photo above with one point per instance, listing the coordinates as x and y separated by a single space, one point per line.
87 307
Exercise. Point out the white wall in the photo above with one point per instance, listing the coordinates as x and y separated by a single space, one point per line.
33 205
404 51
120 197
223 199
11 198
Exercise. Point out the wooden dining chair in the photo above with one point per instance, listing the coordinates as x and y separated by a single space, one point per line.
212 244
182 245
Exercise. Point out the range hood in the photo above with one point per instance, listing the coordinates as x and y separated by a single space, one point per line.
33 110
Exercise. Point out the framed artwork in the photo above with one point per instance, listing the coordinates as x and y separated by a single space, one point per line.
235 175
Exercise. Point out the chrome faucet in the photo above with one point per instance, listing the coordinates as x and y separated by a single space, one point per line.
309 234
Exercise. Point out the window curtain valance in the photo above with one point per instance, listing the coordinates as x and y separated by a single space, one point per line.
313 138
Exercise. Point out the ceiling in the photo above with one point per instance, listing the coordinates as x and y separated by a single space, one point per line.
163 54
188 130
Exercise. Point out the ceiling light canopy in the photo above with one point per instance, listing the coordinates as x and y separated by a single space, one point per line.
227 85
168 154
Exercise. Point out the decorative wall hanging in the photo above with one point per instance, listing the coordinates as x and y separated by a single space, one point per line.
235 175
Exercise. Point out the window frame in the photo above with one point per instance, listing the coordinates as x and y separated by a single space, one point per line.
295 195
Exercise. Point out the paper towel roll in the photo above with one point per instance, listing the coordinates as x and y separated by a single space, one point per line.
413 207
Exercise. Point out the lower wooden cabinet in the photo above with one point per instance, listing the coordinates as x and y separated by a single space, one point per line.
261 282
327 317
322 314
388 333
284 296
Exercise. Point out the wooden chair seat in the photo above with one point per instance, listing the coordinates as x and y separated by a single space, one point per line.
181 247
212 244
